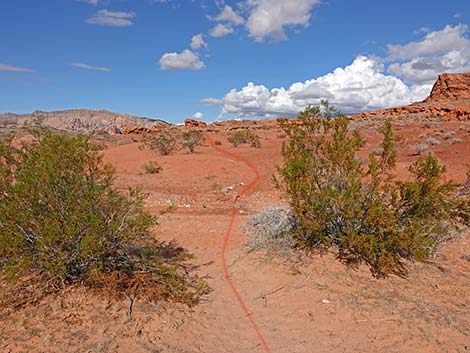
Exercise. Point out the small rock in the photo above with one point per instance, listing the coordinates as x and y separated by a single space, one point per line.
325 301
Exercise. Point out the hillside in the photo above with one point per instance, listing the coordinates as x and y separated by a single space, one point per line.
82 120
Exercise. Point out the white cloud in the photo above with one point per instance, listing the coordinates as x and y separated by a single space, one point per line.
198 116
230 16
419 63
198 42
112 18
91 2
221 30
89 67
268 18
438 42
186 60
364 85
10 68
360 86
214 102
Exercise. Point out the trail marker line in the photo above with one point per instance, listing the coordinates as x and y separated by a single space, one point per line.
245 191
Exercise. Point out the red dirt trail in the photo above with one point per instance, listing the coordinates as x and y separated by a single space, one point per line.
245 191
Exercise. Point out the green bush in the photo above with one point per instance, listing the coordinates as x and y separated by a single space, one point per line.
165 143
239 137
361 210
152 168
62 222
192 139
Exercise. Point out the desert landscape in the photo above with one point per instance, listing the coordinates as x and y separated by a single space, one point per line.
300 302
234 176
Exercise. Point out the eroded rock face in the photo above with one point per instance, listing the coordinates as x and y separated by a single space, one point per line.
84 121
191 123
449 99
450 87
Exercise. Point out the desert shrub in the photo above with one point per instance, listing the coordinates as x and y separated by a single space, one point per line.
152 168
433 141
363 212
192 139
271 230
216 188
448 135
239 137
377 151
218 143
165 143
62 222
420 148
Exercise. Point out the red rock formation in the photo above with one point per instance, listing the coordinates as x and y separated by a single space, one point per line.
450 87
191 123
449 99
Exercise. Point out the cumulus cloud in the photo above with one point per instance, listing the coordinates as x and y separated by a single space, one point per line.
221 30
198 42
360 86
112 18
198 116
438 42
406 75
420 62
186 60
90 67
229 15
10 68
268 18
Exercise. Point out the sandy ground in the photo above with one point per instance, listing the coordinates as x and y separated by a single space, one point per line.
301 305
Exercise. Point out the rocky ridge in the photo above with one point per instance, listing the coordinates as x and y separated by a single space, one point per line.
449 99
84 121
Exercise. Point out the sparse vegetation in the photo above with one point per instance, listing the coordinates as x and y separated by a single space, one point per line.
192 139
239 137
152 168
165 143
420 148
448 135
218 143
271 230
433 141
216 188
363 212
62 222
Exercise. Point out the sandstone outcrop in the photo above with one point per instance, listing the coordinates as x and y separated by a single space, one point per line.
449 99
192 123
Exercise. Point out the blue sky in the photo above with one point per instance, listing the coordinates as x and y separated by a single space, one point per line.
256 59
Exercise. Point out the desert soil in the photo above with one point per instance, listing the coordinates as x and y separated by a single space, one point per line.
301 304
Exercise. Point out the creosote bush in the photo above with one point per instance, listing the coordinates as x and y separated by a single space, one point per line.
239 137
362 211
152 168
192 139
62 222
165 143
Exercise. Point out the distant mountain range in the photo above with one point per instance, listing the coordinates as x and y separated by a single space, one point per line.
82 120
